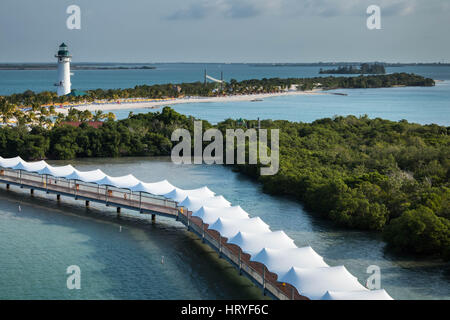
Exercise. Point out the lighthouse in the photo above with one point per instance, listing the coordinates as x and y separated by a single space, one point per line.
64 58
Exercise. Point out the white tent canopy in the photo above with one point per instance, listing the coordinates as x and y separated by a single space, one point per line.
125 182
10 162
210 215
357 295
193 203
280 261
86 176
228 228
57 171
252 243
30 166
179 195
313 283
156 188
301 267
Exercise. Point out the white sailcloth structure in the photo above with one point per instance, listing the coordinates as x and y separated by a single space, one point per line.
194 203
303 268
280 261
156 188
210 215
10 162
228 227
86 176
179 195
357 295
56 172
252 243
315 282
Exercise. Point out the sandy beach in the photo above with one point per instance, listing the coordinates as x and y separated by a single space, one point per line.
106 107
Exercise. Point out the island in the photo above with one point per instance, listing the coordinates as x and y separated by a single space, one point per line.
365 68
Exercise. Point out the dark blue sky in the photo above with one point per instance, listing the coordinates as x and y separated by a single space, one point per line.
226 30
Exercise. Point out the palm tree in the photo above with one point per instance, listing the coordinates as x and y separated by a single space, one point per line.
98 115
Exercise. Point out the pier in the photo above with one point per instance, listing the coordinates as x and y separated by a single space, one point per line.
147 204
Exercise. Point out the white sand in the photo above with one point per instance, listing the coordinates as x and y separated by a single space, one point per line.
153 105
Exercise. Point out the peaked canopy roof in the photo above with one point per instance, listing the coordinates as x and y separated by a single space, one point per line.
125 182
357 295
30 166
10 162
229 227
179 195
280 261
86 176
193 203
315 282
301 267
210 215
156 188
62 171
252 243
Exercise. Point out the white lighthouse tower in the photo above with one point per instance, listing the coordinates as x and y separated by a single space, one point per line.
64 59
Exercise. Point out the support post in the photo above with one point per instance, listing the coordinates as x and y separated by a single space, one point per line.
203 232
140 202
264 280
188 221
240 264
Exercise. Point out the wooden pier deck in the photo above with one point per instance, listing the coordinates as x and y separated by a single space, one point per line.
154 205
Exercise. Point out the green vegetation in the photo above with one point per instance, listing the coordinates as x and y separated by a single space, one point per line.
139 135
364 69
367 174
379 175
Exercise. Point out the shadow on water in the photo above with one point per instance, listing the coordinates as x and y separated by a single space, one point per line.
137 259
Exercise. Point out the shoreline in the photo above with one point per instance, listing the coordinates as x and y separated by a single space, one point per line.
113 106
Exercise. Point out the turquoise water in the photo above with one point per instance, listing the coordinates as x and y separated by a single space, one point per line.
39 243
424 105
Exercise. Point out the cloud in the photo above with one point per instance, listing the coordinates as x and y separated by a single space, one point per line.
234 9
239 9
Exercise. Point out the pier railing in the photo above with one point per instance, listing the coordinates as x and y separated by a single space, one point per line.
148 204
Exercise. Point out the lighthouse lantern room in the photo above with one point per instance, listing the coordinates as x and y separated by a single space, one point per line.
63 85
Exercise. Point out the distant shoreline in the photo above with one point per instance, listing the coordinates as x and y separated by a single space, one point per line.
40 67
123 105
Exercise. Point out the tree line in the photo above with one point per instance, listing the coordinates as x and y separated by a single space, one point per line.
157 91
365 68
368 174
